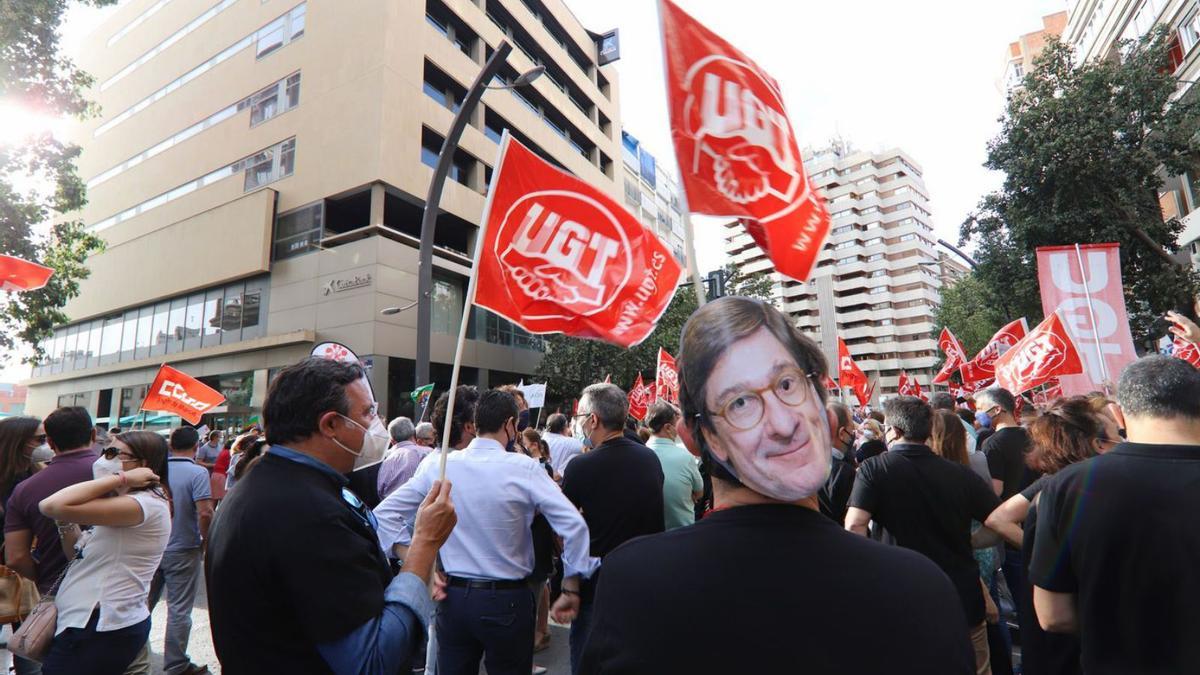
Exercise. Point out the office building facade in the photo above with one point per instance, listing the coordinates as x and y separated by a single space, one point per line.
1019 56
878 280
652 193
258 172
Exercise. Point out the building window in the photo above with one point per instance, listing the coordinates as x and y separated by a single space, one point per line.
875 256
271 164
847 260
268 166
907 237
290 20
275 99
280 32
298 231
170 40
219 315
447 305
877 273
290 85
873 241
442 88
845 245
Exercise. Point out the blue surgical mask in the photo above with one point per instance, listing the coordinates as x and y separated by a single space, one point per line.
984 419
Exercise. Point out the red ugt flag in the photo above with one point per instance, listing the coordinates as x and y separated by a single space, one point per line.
981 368
1182 349
909 386
180 394
21 275
850 375
639 399
955 356
667 383
560 256
738 155
1046 353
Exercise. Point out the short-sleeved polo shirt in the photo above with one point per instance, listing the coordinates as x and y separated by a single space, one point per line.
189 484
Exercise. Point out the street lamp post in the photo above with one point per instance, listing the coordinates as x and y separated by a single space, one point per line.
424 300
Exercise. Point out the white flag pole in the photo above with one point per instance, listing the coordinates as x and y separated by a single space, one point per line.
1092 313
468 303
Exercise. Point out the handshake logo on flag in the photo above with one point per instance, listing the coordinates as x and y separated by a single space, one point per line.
556 258
740 127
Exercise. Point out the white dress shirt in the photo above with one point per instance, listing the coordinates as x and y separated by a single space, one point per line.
496 495
562 450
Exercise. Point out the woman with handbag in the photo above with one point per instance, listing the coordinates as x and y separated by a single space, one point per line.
103 619
19 438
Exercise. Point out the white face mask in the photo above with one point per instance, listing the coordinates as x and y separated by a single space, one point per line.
374 444
103 468
42 453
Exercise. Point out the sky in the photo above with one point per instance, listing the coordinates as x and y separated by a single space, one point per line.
918 75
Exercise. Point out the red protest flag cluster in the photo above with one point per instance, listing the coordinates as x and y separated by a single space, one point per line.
738 155
1046 353
17 274
640 398
560 256
908 386
850 375
666 386
178 393
980 370
956 357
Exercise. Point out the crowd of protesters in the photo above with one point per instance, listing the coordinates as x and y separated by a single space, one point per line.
757 525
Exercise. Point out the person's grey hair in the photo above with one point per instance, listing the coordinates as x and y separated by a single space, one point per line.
841 411
1161 387
401 429
608 403
556 423
911 416
941 400
997 396
424 431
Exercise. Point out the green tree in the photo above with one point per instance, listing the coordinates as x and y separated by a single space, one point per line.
967 312
37 175
1085 148
570 364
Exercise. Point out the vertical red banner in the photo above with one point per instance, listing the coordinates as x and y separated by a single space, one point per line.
1083 284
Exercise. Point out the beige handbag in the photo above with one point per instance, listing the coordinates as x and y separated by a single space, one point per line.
32 640
18 595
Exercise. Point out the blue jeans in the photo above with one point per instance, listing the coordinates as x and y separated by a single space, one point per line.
495 625
85 651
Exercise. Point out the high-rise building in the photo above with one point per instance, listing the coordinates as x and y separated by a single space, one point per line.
1096 28
1018 58
878 281
258 172
652 193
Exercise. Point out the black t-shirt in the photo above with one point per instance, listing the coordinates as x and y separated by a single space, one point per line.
1041 652
290 565
1006 450
618 488
832 496
927 504
773 589
1119 531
